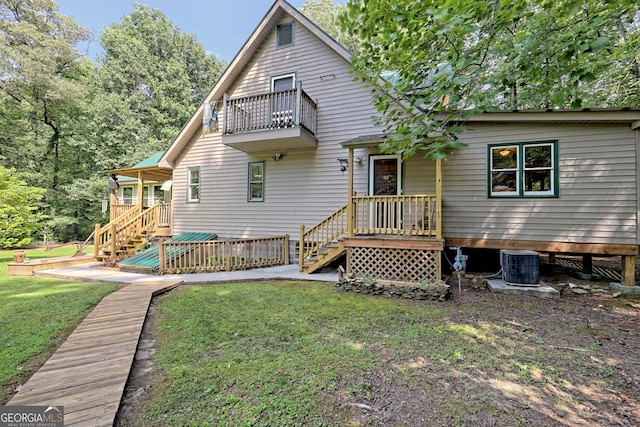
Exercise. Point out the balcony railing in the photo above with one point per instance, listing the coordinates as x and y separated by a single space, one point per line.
268 111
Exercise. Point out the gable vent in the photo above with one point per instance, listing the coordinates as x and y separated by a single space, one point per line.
284 34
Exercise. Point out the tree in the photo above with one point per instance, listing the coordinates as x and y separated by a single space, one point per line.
38 76
432 63
324 13
148 83
19 215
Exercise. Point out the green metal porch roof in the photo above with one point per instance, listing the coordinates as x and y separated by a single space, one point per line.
150 259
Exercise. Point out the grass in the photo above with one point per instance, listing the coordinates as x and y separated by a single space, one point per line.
36 314
290 354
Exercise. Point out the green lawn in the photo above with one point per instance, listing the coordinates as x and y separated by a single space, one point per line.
293 354
36 314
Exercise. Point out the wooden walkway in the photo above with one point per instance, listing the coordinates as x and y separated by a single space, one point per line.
88 373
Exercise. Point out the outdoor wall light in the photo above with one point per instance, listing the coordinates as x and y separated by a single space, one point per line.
277 157
344 164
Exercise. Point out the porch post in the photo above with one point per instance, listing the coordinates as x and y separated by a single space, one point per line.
96 242
301 249
140 192
350 196
113 201
438 199
629 270
225 101
298 106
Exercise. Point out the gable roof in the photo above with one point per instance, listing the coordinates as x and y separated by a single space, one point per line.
278 10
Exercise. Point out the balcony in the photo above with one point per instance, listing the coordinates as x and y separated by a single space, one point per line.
270 122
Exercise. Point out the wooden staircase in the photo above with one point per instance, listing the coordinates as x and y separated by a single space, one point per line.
126 233
325 256
323 243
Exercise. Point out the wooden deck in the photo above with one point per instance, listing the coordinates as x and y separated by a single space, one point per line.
29 268
88 373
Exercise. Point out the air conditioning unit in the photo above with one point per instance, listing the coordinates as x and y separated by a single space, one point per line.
520 268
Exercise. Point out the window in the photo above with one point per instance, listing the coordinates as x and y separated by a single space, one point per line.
127 195
284 34
523 169
145 195
158 194
256 182
193 184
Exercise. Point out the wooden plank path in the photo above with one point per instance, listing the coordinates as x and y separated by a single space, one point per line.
88 373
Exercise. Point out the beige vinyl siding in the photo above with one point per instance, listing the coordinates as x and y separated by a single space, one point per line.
302 188
598 187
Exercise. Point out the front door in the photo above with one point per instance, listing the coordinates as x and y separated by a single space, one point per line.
385 179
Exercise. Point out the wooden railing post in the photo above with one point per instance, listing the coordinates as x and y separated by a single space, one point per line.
298 106
227 255
162 258
301 248
225 101
96 242
114 232
286 249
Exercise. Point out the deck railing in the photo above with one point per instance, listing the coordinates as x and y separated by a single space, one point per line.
120 209
164 215
401 215
321 234
272 110
223 255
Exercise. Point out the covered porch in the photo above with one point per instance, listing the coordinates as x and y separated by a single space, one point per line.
395 237
132 224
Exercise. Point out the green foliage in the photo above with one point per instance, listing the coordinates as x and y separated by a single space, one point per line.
38 66
19 216
325 14
65 120
432 63
146 86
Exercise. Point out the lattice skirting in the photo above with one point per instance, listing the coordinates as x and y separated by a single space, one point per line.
403 265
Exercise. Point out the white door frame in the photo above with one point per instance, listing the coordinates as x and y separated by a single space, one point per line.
381 216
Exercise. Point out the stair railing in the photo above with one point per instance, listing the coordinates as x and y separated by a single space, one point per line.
127 227
321 234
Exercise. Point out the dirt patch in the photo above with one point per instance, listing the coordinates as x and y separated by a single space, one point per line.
598 385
